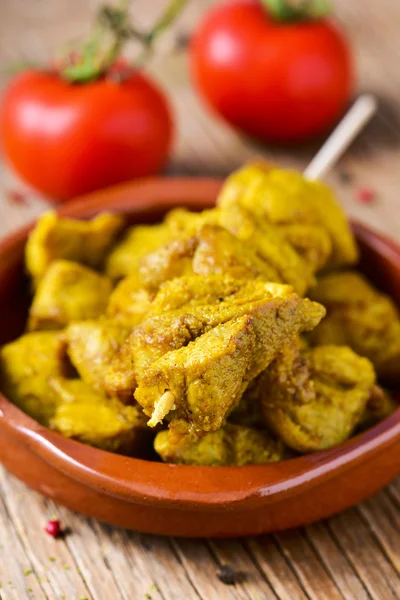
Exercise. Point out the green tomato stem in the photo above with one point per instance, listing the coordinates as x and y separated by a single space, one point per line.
112 31
295 10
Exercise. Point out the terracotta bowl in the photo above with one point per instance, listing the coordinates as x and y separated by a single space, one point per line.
183 500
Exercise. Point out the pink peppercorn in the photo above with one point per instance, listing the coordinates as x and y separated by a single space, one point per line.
53 528
365 195
17 197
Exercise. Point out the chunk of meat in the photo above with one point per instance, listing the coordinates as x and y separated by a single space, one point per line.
359 316
185 223
167 262
197 290
85 242
220 252
67 292
288 200
269 245
160 333
203 380
209 354
212 250
130 301
285 199
26 367
124 258
248 411
231 445
380 405
265 240
314 399
98 351
90 417
311 242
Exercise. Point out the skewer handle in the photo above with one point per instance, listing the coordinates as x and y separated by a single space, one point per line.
340 139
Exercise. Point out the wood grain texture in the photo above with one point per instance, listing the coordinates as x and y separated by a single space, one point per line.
353 556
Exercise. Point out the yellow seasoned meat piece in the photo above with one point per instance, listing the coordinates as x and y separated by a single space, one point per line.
285 198
359 316
314 400
269 245
248 412
89 417
130 301
187 307
205 357
232 445
379 406
212 250
26 367
167 262
124 258
220 252
98 351
312 242
86 242
264 240
160 333
203 380
197 290
67 292
185 223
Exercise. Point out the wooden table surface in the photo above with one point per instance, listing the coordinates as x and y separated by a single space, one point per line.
354 555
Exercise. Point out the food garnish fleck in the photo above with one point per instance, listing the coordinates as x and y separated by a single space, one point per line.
53 528
365 195
227 574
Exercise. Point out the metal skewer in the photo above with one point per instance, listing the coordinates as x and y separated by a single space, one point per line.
340 139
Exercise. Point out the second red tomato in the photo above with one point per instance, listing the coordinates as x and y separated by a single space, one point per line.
278 81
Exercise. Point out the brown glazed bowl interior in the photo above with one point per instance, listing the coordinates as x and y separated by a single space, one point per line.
184 500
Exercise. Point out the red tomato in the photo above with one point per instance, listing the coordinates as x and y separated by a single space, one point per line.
67 139
278 81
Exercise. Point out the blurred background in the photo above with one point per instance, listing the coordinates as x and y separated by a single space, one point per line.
35 31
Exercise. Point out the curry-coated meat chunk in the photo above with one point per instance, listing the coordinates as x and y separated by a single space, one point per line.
202 380
231 445
289 201
206 366
125 257
269 245
90 417
220 252
315 399
130 301
193 242
359 316
186 307
164 331
26 367
380 405
167 262
263 239
212 250
248 412
67 292
98 351
196 290
86 242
